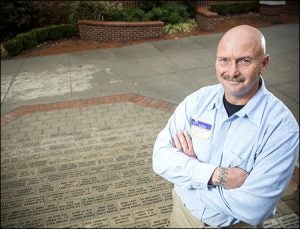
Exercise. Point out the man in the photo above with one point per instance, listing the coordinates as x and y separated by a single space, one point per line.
230 149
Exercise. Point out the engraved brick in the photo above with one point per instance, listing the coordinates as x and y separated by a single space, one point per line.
122 219
143 214
100 176
102 222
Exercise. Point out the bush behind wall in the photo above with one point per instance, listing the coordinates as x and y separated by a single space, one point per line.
23 15
30 39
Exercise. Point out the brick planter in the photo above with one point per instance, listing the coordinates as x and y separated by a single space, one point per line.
215 22
270 13
118 30
206 23
210 21
206 19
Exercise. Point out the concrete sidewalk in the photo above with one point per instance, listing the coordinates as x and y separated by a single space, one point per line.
77 129
167 70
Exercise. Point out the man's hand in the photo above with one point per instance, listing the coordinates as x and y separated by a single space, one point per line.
229 178
183 141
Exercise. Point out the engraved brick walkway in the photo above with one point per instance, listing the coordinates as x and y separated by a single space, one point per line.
87 163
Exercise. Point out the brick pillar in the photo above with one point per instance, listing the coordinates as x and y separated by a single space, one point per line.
206 23
206 19
270 10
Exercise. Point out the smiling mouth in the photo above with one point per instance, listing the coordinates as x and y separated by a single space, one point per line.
234 79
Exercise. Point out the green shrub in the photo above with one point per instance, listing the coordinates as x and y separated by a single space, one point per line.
81 10
133 14
172 13
13 46
69 30
180 27
33 37
28 40
111 11
236 8
41 34
54 32
147 5
94 10
174 18
21 16
176 13
157 13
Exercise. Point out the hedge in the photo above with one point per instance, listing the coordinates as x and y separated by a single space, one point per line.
235 8
32 38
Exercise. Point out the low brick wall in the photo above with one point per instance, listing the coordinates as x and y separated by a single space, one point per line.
205 18
206 23
118 30
271 13
212 22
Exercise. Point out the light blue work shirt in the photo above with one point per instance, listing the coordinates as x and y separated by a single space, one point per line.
262 138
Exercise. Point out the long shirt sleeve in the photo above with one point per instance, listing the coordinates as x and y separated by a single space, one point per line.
174 165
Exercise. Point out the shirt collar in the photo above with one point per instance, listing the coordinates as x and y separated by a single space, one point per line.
217 102
254 108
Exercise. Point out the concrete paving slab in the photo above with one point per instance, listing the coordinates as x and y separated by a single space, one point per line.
114 70
208 41
91 57
29 85
176 45
290 87
147 66
117 86
6 81
292 57
281 71
85 90
280 46
85 73
291 103
193 59
171 87
44 63
10 67
282 30
135 51
204 76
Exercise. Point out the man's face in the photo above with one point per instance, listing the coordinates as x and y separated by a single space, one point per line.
239 64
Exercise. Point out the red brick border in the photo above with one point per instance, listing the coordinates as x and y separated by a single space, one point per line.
130 97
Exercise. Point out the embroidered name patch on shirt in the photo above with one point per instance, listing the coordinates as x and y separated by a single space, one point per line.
201 129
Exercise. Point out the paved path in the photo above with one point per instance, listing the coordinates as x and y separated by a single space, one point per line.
85 167
77 130
167 70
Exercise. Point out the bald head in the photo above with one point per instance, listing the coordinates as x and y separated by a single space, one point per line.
241 61
243 36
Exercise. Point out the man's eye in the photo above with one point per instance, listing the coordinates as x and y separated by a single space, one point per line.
223 61
245 62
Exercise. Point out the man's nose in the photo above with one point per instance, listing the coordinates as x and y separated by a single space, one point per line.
233 70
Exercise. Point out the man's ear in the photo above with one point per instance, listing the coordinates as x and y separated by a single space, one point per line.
265 63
